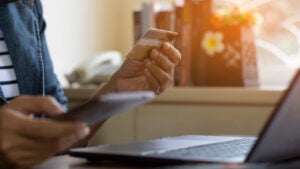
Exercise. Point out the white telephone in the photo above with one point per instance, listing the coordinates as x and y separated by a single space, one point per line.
97 70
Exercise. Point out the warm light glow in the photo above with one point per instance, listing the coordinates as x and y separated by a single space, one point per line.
230 16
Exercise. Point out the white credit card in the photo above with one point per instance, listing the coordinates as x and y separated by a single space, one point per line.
153 38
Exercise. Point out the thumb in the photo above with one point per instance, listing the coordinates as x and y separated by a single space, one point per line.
36 105
51 129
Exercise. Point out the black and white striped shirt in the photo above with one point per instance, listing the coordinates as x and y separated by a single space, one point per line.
8 79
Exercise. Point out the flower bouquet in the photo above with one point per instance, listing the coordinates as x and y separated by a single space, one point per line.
227 50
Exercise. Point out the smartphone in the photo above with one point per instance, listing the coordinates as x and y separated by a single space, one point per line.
153 38
105 106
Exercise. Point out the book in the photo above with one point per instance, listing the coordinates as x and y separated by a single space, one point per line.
164 16
137 20
201 12
183 25
147 16
179 70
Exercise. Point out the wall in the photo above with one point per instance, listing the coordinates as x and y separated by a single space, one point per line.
127 22
79 29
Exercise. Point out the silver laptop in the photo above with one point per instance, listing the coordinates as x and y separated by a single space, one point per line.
278 141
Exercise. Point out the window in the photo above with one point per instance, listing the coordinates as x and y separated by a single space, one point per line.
278 38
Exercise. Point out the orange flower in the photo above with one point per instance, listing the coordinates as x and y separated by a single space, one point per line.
233 16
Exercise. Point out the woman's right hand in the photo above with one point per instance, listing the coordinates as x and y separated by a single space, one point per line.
27 141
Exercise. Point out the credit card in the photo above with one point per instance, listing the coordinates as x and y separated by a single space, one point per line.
153 38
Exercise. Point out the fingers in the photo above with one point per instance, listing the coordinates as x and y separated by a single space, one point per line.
162 61
163 78
161 67
20 151
153 83
26 141
40 128
173 54
49 129
24 152
36 105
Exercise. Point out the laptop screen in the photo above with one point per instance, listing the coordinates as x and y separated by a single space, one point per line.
280 140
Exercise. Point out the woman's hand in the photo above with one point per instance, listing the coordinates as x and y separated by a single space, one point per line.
155 73
25 141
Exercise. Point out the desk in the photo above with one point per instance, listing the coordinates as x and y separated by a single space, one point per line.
67 162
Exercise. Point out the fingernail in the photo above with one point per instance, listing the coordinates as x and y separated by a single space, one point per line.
84 133
148 63
157 92
166 46
154 53
83 130
61 110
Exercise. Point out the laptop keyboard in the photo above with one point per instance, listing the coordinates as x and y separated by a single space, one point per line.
228 149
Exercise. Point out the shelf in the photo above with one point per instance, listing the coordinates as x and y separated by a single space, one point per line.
200 95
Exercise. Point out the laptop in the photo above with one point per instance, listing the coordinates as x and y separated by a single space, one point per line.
278 141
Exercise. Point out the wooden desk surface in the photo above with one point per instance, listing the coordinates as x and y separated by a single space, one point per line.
67 162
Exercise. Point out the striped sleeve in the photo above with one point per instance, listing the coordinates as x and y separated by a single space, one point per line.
8 79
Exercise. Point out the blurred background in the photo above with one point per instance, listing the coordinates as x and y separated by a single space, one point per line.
79 30
232 87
